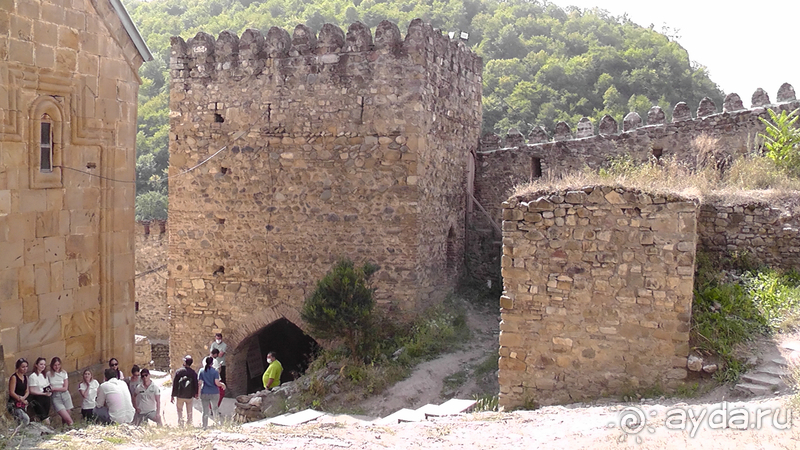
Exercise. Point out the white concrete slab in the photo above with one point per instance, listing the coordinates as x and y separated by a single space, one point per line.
429 410
452 407
297 418
403 415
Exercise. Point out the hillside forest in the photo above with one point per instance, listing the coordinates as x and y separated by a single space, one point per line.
542 63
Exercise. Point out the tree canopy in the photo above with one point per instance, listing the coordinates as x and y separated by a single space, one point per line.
542 63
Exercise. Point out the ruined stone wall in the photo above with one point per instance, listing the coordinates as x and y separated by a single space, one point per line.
503 163
597 293
66 234
332 146
766 233
152 310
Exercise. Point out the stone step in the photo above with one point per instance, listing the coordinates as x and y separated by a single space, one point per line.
774 370
781 361
762 379
792 345
753 389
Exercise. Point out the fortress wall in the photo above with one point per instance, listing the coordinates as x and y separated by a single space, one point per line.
503 163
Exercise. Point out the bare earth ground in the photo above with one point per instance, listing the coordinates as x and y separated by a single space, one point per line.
596 426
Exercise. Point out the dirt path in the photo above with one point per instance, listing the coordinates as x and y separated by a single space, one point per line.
449 376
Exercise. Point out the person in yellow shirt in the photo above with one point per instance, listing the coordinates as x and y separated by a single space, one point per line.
272 376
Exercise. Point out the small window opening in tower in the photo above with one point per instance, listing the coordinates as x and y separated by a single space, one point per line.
657 153
46 144
220 270
218 118
536 168
220 221
223 170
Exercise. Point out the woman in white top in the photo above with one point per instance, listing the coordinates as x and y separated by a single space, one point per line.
88 390
39 388
59 383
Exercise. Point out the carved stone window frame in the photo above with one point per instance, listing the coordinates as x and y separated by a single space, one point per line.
46 109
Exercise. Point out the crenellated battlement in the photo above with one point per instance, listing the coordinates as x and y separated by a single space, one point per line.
503 162
228 55
707 119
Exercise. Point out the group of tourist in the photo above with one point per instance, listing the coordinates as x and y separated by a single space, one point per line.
124 400
33 395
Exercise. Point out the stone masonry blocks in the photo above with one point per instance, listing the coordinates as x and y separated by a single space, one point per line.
597 293
337 146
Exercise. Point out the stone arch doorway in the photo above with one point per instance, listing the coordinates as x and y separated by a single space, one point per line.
294 348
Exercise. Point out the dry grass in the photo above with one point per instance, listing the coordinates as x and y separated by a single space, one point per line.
712 178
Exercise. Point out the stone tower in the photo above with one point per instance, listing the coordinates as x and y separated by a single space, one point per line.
323 147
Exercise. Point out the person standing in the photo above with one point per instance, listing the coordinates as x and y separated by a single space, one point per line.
272 376
88 389
184 387
147 398
220 359
59 384
135 379
18 392
215 355
210 384
40 389
114 395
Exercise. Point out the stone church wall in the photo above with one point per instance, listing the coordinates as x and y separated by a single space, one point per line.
329 146
66 234
597 299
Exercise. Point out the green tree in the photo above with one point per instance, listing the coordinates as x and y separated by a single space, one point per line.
341 306
151 205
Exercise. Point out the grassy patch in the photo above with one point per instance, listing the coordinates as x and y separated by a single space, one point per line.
489 365
486 403
735 301
336 381
748 178
453 381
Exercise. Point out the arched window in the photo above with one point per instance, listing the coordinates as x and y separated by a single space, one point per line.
46 144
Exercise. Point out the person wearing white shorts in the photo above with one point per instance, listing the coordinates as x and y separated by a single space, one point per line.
61 398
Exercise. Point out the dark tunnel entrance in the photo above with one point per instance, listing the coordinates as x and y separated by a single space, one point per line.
295 350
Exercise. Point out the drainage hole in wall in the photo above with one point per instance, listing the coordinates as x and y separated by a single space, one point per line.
219 271
224 170
220 221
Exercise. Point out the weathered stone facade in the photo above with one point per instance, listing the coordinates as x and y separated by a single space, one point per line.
68 90
598 286
324 146
503 163
152 311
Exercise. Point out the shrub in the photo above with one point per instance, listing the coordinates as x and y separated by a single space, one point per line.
341 306
781 140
